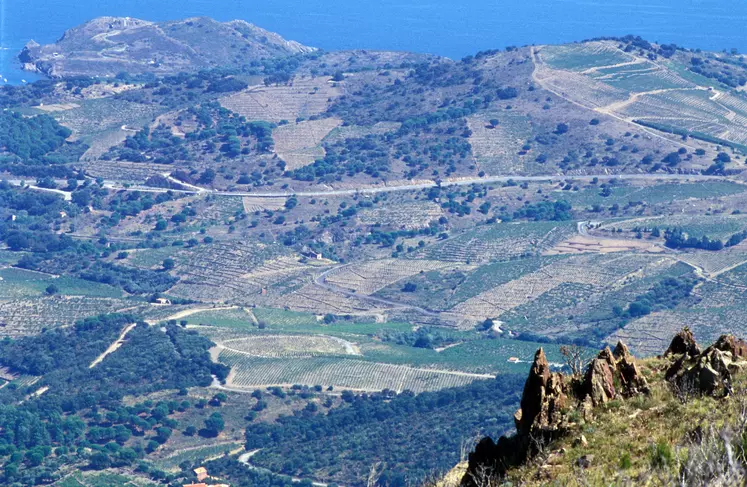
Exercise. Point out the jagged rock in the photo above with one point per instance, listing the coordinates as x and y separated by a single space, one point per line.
683 343
540 418
735 346
632 381
608 357
543 399
599 381
709 372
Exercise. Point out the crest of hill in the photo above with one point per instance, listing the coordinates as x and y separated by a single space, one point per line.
106 46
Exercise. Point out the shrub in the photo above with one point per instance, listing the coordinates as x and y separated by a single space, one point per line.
662 455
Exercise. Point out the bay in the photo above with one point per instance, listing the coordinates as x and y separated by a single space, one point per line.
452 28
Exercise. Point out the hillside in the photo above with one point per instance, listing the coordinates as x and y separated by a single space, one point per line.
356 253
107 46
677 419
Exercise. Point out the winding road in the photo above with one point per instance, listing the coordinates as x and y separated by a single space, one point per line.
118 186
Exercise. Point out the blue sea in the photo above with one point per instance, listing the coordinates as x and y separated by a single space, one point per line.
452 28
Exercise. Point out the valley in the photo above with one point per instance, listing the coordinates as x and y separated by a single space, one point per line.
236 240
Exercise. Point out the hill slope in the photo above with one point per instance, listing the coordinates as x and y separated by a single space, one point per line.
678 419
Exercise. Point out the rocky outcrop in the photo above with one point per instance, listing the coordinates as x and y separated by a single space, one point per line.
710 371
735 346
610 368
543 400
683 343
540 419
546 403
632 382
554 405
599 381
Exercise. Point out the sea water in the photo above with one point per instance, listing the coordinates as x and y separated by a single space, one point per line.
452 28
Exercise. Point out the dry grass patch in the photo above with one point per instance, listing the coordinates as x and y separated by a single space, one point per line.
57 107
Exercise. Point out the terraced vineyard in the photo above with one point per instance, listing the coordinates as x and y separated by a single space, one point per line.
298 144
663 95
496 148
234 271
652 195
411 215
498 242
598 272
30 316
368 277
588 55
302 98
127 172
99 116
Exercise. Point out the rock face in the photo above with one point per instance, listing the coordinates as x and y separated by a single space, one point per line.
599 381
710 371
107 46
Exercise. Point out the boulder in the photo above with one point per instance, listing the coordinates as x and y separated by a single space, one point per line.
683 343
599 381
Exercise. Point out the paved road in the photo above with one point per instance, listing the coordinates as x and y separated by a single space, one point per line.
117 186
424 185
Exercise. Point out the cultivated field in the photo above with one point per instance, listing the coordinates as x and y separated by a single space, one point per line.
579 244
234 271
409 215
276 346
298 144
250 372
498 242
30 316
496 148
312 298
128 172
584 56
368 277
600 272
302 98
